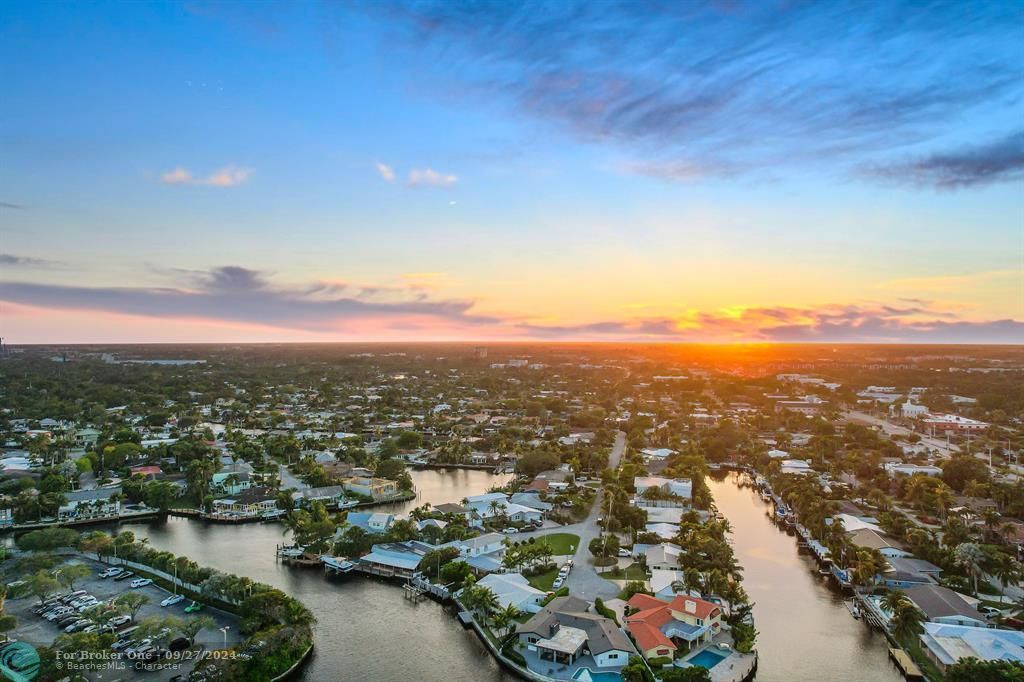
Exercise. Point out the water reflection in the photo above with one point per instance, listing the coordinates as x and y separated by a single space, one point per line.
806 632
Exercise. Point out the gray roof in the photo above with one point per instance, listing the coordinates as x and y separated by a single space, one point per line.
939 602
89 495
602 635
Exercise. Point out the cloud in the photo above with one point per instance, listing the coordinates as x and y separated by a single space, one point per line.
431 178
723 87
235 294
228 176
1001 160
8 259
386 172
10 206
825 324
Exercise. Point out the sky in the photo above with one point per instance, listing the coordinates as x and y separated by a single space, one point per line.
728 171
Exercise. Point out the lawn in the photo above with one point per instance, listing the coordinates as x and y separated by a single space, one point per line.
562 542
632 572
543 581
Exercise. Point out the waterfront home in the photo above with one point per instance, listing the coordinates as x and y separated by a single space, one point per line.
946 644
251 502
664 556
497 505
660 628
557 479
942 605
667 583
906 572
531 500
233 478
375 488
869 539
394 559
457 510
514 589
90 504
853 523
330 496
371 522
487 543
665 531
679 487
564 637
796 466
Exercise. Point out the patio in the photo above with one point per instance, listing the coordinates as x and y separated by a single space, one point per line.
560 671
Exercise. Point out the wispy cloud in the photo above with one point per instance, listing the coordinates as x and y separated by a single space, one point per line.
11 260
431 178
228 176
235 295
1001 160
698 89
10 206
386 172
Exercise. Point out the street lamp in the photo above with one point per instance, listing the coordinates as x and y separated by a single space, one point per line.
225 631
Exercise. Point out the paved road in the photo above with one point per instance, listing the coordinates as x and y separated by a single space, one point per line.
583 580
288 479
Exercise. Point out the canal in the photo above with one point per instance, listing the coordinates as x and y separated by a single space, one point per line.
806 633
365 629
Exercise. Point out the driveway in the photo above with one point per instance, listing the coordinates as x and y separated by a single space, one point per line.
288 479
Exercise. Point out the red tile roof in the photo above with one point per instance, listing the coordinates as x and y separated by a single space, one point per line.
700 609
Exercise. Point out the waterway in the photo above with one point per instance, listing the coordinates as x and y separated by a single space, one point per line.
806 633
365 630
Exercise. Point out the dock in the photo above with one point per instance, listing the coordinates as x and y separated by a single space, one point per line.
907 666
414 593
466 618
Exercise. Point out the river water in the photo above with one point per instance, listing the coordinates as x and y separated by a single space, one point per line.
367 631
806 633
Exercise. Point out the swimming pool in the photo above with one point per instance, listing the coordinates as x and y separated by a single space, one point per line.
707 659
583 674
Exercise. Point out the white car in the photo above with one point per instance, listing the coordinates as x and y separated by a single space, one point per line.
110 572
172 600
624 553
141 582
559 581
510 531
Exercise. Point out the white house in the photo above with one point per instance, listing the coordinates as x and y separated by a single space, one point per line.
514 589
796 466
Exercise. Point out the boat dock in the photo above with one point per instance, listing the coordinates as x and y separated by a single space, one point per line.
905 664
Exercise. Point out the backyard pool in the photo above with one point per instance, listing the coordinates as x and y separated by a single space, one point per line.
584 675
707 659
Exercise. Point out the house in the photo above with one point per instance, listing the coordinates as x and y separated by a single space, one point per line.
394 559
666 583
679 487
330 496
869 539
943 605
565 633
807 407
457 510
370 522
514 589
90 504
660 628
481 544
87 437
906 572
664 556
909 410
233 478
372 487
147 471
657 454
248 503
777 454
946 644
557 479
796 466
897 469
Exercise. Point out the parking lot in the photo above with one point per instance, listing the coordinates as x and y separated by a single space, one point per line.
35 630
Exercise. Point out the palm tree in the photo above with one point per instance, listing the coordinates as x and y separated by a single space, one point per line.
1006 569
970 556
906 621
893 599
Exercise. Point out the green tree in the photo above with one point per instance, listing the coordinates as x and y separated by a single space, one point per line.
193 626
131 602
973 670
906 621
42 585
69 574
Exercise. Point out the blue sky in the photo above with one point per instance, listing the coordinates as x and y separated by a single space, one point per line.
771 171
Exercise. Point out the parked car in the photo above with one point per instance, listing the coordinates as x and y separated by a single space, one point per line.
193 607
559 581
510 531
141 582
58 613
122 644
990 611
78 625
111 572
623 552
118 621
71 596
124 575
172 600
